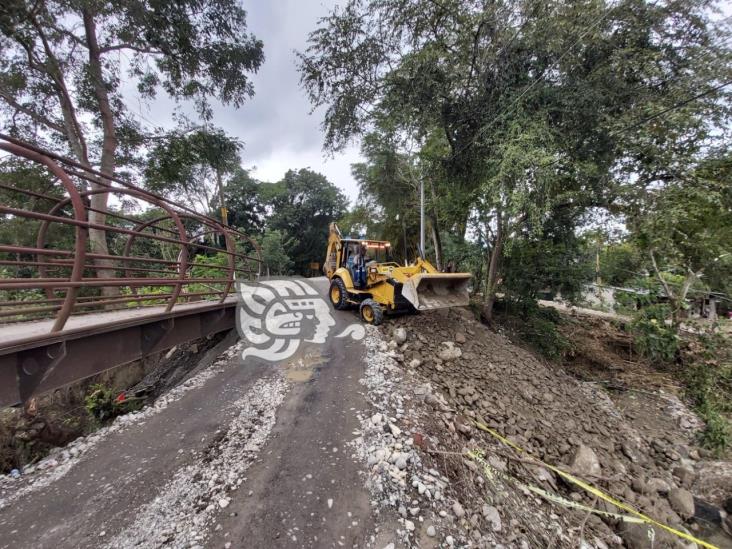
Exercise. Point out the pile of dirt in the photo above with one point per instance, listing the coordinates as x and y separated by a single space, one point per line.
555 417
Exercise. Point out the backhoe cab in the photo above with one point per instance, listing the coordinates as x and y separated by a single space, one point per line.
362 274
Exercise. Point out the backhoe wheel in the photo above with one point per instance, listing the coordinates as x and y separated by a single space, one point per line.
371 312
338 294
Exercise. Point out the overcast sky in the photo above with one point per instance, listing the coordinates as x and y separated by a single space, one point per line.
275 125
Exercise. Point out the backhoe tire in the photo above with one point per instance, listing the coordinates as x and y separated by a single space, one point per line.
371 312
338 294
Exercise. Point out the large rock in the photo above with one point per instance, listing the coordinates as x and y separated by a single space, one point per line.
638 536
685 474
491 515
658 485
585 461
449 352
400 335
458 510
682 502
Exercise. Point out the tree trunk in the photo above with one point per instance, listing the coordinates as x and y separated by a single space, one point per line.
97 237
676 300
436 240
492 272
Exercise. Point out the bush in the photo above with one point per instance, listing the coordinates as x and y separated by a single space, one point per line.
653 337
708 382
539 329
104 404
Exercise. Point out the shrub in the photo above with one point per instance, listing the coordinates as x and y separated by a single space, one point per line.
708 380
654 337
103 403
539 329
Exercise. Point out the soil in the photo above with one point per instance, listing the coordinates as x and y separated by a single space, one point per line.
603 403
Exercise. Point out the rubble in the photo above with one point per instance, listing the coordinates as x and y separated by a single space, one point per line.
451 372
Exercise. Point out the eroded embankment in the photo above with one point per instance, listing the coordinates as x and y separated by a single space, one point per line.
432 375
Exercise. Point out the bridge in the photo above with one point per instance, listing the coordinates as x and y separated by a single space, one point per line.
70 309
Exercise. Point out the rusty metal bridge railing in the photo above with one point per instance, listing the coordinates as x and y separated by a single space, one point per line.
163 261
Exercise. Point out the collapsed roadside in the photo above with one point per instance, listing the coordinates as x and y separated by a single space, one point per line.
433 377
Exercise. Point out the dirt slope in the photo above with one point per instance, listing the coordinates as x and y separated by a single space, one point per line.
461 371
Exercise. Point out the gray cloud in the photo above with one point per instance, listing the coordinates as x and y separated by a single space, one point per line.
275 125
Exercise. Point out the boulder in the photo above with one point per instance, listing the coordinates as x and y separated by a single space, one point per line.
685 475
458 510
449 352
400 335
658 485
491 515
585 461
682 502
637 536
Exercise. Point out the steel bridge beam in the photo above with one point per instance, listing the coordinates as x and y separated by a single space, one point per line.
51 361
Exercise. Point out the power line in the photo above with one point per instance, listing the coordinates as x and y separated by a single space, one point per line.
671 108
536 81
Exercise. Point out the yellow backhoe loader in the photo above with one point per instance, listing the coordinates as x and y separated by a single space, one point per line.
363 275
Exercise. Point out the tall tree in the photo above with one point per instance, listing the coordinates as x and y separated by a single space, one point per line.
61 70
685 227
301 207
541 105
242 197
191 165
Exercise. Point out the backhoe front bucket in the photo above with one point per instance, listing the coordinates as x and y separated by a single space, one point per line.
436 291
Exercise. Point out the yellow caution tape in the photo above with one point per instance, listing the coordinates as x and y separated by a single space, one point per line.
490 473
595 491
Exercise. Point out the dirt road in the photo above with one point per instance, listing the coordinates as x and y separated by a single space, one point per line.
250 454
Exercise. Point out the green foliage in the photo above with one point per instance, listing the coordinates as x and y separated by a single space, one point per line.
144 291
302 206
207 267
551 260
539 329
685 227
275 258
655 337
193 50
247 212
708 380
185 165
466 256
104 404
516 112
620 264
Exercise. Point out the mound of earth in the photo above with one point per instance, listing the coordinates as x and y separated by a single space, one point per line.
456 371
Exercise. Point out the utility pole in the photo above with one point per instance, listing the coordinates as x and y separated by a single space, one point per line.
421 218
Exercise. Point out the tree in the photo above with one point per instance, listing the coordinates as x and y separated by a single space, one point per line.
61 69
542 107
301 207
685 227
242 197
190 166
274 256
